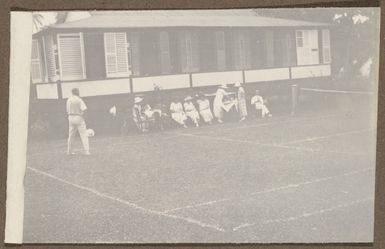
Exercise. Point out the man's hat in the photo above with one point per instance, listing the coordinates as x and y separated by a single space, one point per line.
237 84
188 98
223 86
138 99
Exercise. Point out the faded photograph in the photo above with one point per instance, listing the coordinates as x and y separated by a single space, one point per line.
202 126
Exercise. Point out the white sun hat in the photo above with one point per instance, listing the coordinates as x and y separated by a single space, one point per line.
237 84
138 99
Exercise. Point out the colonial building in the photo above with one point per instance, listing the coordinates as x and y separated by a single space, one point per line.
113 53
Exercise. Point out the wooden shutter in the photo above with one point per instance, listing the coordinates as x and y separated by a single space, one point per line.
50 59
285 47
183 52
135 53
269 48
247 51
194 52
326 46
71 56
36 72
165 60
237 51
301 52
221 50
116 55
242 57
189 51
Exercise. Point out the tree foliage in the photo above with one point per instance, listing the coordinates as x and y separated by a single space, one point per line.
354 37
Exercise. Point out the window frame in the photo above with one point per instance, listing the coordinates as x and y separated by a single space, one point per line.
165 52
117 74
323 31
220 43
36 61
81 43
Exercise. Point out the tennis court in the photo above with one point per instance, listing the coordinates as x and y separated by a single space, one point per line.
302 178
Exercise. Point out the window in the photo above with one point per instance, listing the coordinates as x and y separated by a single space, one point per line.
326 46
165 53
307 47
189 51
71 56
241 51
50 54
116 55
269 42
134 53
36 70
221 50
284 48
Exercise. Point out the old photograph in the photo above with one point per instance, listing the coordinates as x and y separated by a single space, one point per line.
202 126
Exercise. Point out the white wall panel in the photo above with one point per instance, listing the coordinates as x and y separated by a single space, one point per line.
47 91
267 74
310 71
97 87
143 84
216 78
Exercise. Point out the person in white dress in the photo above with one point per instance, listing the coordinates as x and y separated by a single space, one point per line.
204 109
259 104
177 113
218 106
241 100
191 111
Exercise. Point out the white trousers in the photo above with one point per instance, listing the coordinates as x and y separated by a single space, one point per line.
263 108
77 124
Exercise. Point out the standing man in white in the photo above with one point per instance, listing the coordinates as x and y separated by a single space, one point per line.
76 109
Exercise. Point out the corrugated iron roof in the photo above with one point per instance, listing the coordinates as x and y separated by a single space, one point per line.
181 18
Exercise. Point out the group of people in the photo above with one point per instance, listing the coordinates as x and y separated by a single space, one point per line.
197 110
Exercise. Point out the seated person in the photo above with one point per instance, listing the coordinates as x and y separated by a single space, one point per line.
230 106
158 116
148 112
204 109
138 116
259 104
177 113
191 111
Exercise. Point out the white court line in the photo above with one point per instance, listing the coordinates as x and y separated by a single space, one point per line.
123 139
269 145
285 187
289 119
107 139
113 145
127 203
304 215
310 139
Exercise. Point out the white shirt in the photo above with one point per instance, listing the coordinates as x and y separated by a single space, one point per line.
176 107
257 100
75 106
189 107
